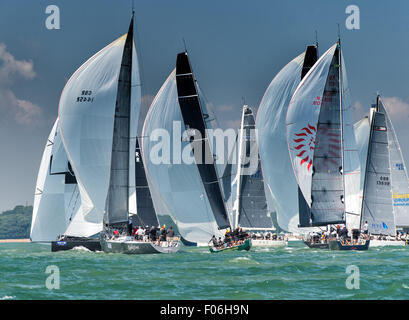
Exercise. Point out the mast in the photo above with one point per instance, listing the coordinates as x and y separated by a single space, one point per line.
341 116
237 209
192 114
117 204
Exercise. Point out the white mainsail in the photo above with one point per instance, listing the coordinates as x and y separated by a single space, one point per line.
177 184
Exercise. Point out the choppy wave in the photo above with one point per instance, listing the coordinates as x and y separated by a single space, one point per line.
295 272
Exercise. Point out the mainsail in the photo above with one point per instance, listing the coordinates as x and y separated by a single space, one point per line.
177 184
272 142
399 177
86 115
321 143
251 211
377 201
192 113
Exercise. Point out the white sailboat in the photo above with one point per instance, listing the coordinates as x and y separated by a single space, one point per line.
322 148
57 202
250 210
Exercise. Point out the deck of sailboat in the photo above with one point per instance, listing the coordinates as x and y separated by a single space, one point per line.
129 246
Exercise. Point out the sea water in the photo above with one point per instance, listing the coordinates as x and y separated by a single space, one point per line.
293 272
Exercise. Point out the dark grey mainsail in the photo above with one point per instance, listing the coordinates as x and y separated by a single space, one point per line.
252 207
327 188
377 194
192 114
117 204
146 215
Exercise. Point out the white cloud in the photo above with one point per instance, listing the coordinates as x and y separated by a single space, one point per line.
12 67
398 109
22 111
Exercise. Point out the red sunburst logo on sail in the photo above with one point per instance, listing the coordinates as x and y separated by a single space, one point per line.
305 144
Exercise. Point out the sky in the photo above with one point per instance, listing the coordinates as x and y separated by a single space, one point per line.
236 47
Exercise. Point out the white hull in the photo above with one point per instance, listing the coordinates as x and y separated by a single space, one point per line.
385 243
269 243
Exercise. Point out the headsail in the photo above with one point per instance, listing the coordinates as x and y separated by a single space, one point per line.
272 141
192 114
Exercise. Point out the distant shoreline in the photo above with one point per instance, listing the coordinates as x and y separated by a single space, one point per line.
13 240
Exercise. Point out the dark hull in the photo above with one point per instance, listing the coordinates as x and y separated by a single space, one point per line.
337 245
92 245
314 245
137 247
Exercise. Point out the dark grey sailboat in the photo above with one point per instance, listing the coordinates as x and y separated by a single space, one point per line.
193 117
117 205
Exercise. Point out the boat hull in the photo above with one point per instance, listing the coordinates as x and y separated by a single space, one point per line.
269 243
92 245
387 243
337 245
315 245
138 247
246 245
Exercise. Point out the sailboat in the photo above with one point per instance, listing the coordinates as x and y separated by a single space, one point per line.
57 210
250 210
385 181
117 213
272 140
195 124
322 148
